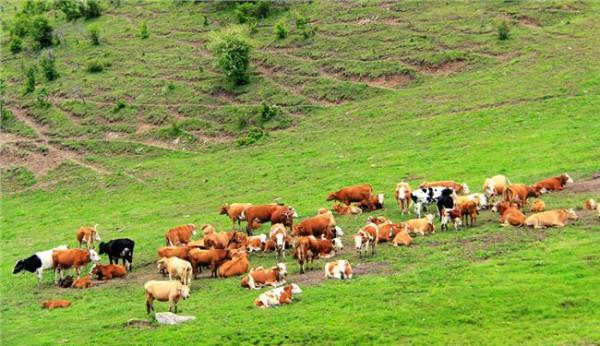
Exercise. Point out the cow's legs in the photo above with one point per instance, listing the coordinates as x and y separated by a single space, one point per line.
39 275
77 270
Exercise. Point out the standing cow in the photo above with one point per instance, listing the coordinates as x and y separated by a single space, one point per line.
38 262
118 248
356 193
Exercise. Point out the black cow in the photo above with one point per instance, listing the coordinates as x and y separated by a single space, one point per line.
445 200
441 196
119 248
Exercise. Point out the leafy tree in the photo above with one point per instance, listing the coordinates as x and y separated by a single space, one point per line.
92 9
47 63
72 9
280 30
16 44
232 49
29 80
41 31
144 33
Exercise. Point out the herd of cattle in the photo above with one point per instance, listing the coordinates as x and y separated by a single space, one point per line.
225 254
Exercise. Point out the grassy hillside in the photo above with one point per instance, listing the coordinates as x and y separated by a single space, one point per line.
383 92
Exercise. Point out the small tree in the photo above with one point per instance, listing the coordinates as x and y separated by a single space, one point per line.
42 98
92 9
41 31
71 8
94 33
47 63
144 34
503 30
29 80
280 30
232 49
16 44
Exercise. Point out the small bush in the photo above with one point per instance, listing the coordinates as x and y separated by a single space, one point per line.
144 33
503 30
307 31
241 121
94 33
281 30
20 26
92 9
262 9
29 80
119 105
267 113
167 88
16 44
47 63
232 49
206 22
244 11
301 21
41 31
175 130
96 65
72 9
42 98
255 134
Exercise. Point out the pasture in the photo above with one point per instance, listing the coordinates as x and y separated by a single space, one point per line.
526 108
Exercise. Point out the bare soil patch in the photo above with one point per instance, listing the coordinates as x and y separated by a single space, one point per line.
316 275
38 162
446 68
591 185
389 81
528 22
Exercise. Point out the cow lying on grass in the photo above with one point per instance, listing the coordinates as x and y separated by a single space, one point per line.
277 296
550 218
340 269
55 304
108 271
260 277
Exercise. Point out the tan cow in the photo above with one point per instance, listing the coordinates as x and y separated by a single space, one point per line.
340 269
557 218
402 195
346 209
176 268
422 226
55 304
260 277
590 204
165 291
87 235
538 206
238 265
402 238
494 186
509 214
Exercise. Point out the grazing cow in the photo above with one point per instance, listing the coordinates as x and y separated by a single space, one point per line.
37 263
108 271
451 184
374 202
340 269
278 235
423 226
235 212
260 277
87 235
555 183
538 206
494 186
176 268
443 197
175 251
55 304
519 193
84 282
402 238
346 209
165 291
479 198
306 249
367 237
238 265
256 242
590 204
551 218
76 258
274 213
322 224
402 195
212 258
351 194
118 248
277 296
180 235
451 215
509 214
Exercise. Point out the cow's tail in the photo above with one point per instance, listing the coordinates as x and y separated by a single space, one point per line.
506 194
168 241
96 228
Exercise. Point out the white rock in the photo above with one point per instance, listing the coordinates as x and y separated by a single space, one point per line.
171 318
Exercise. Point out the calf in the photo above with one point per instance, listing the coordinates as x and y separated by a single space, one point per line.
55 304
551 218
494 186
212 258
270 246
87 235
479 198
590 204
402 238
451 184
257 214
423 226
519 193
351 194
180 235
306 249
346 209
260 277
340 269
367 237
555 183
451 215
176 268
238 265
84 282
468 209
509 214
538 206
37 263
402 195
108 271
76 258
118 248
278 235
277 296
374 202
235 212
163 291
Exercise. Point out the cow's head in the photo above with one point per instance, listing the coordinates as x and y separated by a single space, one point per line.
567 178
223 209
339 232
102 248
466 188
184 291
296 289
338 245
94 255
380 198
282 268
192 227
332 196
490 187
161 265
571 215
430 218
95 269
19 266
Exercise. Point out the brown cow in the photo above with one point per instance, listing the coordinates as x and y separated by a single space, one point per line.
279 237
557 218
519 193
223 240
402 238
402 195
351 194
84 282
55 304
108 271
234 211
238 265
306 249
367 237
509 214
270 246
322 224
468 208
76 258
538 206
258 214
212 258
451 215
87 235
374 202
555 183
346 209
458 188
175 251
180 235
260 277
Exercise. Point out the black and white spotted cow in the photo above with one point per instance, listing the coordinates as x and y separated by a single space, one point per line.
38 262
119 248
443 197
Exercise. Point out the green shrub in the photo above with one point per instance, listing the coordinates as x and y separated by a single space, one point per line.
281 30
16 44
308 31
42 98
96 65
72 9
232 48
262 9
503 30
94 33
301 21
21 26
241 121
144 33
255 134
41 31
92 9
47 63
267 113
243 12
35 7
206 22
119 105
29 80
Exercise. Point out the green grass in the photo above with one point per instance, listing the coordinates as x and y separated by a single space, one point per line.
526 107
